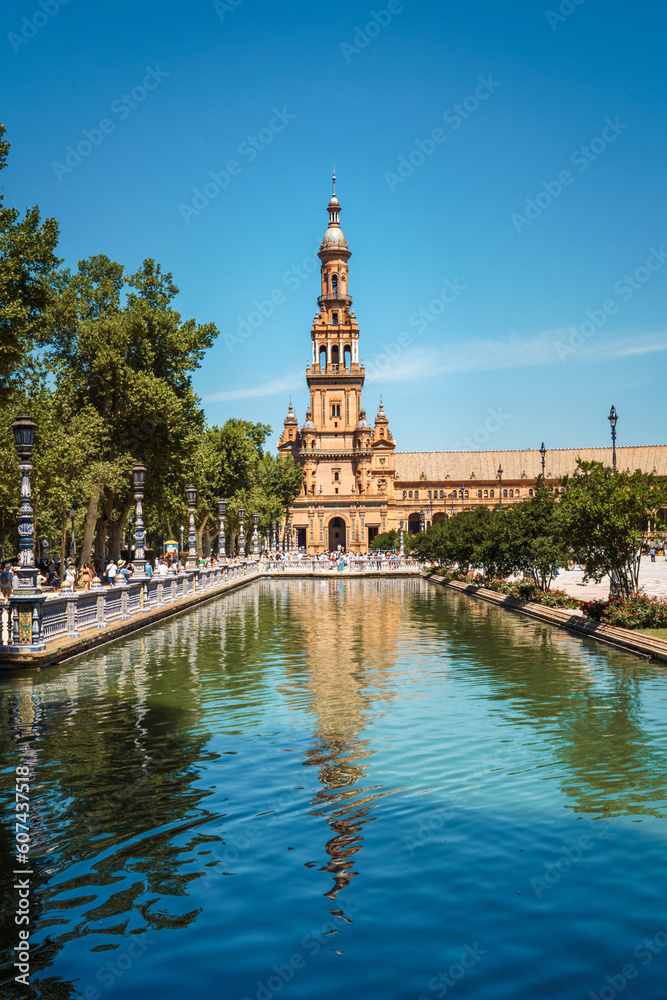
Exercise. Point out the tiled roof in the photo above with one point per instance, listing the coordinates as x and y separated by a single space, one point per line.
440 466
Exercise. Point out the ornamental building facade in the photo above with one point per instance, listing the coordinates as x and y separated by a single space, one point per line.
356 485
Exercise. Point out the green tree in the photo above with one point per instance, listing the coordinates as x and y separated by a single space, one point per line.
496 550
132 363
456 540
603 513
27 264
388 541
537 533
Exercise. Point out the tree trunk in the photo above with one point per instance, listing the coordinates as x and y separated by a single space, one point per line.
100 543
116 531
199 531
89 525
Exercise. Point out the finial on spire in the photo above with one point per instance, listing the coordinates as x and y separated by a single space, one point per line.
334 178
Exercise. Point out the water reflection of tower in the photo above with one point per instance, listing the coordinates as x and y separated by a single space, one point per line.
350 631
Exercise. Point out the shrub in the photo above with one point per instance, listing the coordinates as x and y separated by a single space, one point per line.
638 611
559 599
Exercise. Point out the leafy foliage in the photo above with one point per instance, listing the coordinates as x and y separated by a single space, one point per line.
27 264
388 541
602 514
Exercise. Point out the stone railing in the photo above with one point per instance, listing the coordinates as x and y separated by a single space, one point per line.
356 566
68 613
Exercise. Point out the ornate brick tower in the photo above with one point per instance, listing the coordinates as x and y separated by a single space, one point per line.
348 465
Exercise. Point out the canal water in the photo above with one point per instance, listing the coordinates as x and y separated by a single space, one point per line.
326 789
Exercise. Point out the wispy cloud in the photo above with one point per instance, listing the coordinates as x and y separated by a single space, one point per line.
640 349
477 355
289 383
417 364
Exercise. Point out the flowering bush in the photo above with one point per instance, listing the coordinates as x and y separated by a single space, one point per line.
639 611
558 599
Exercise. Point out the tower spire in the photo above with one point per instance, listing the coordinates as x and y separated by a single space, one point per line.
334 179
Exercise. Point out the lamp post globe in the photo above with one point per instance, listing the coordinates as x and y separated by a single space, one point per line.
24 436
191 497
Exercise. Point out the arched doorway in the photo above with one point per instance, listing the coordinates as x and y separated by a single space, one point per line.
336 534
414 524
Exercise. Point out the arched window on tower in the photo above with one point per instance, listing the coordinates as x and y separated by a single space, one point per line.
334 284
323 356
334 319
347 355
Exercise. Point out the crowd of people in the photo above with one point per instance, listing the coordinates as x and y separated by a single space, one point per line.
94 574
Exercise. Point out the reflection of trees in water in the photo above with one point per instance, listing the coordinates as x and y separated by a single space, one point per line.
113 787
585 703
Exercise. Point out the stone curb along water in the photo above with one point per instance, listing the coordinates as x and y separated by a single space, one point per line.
621 638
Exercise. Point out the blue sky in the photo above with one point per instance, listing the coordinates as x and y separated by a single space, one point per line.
539 197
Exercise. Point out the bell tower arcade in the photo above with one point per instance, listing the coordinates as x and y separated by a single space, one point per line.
334 375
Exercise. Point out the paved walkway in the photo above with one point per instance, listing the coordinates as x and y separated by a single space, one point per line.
652 577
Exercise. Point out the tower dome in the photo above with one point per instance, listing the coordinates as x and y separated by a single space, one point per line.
334 238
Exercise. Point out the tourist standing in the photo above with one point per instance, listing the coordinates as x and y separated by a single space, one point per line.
6 581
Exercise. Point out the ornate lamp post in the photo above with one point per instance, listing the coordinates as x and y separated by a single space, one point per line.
182 530
274 540
422 519
138 480
500 484
401 523
613 417
222 510
191 496
241 535
255 535
27 599
543 453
